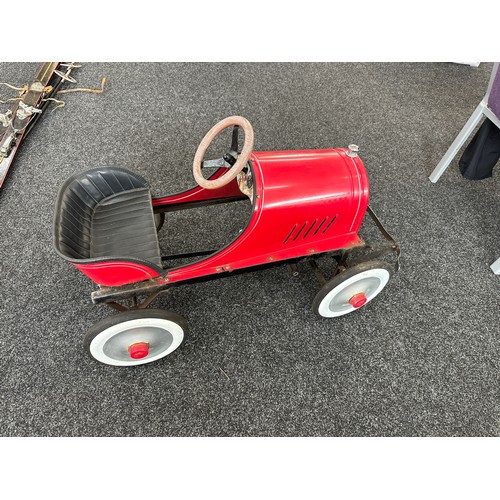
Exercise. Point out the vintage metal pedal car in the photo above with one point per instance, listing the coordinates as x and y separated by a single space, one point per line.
304 204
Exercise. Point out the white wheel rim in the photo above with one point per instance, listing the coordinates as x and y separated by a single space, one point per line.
111 345
336 301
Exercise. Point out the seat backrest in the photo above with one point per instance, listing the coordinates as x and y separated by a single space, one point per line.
77 200
493 92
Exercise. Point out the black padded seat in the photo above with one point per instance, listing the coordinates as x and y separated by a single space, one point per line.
106 213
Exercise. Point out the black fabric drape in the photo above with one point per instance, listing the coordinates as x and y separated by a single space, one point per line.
482 153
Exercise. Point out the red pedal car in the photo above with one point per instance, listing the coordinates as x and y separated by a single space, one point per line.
304 204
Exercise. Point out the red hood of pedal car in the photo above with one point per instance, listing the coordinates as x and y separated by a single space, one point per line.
305 202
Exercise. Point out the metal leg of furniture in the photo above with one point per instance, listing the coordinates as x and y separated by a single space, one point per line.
495 267
458 142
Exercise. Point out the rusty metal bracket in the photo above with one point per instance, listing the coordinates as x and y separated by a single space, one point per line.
387 236
317 272
108 295
137 305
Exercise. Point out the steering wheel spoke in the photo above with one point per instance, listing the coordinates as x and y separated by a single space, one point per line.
234 139
218 163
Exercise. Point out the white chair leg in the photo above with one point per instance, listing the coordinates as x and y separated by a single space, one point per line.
458 142
495 267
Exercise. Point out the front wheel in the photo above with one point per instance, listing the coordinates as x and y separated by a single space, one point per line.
349 290
135 337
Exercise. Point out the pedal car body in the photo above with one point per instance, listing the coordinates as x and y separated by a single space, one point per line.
304 204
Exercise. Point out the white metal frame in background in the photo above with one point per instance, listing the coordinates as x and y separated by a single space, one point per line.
481 111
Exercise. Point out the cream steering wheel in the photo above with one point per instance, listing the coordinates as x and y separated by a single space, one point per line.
242 157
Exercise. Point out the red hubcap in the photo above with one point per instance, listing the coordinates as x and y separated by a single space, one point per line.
139 350
358 300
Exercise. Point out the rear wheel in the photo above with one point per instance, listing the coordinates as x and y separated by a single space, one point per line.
159 221
351 289
135 337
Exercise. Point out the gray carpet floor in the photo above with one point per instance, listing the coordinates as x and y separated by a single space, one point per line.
420 360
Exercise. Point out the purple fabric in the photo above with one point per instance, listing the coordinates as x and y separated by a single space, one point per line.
494 98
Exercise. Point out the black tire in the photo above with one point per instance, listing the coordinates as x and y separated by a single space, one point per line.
159 221
368 278
109 340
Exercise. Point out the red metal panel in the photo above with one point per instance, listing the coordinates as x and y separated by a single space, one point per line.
201 194
307 202
116 273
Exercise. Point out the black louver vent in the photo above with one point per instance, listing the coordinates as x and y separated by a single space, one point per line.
309 230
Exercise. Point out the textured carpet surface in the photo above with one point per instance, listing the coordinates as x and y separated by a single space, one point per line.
420 360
